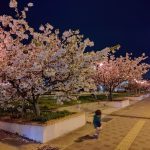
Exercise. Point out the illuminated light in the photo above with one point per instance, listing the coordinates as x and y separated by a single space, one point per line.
101 64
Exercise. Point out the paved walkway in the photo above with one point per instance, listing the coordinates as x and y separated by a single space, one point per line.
89 109
125 129
129 129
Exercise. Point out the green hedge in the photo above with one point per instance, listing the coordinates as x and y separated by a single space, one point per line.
46 116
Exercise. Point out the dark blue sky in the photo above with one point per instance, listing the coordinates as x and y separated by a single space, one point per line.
106 22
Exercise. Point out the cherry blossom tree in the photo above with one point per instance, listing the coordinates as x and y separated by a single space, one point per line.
138 85
113 71
34 62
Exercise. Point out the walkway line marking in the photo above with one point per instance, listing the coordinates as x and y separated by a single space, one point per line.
130 137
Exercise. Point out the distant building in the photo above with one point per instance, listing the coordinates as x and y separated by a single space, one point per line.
120 88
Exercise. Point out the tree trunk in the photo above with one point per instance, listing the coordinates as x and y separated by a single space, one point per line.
36 108
110 94
94 96
23 111
139 91
136 91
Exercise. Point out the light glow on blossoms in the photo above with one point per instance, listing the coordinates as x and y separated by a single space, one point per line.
139 85
140 81
113 71
48 62
101 64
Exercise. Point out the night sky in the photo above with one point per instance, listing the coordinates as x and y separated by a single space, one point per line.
106 22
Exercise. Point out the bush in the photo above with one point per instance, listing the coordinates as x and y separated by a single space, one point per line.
45 116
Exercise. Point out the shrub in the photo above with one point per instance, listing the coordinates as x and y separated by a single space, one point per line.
45 116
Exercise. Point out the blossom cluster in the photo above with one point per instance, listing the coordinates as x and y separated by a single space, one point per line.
35 62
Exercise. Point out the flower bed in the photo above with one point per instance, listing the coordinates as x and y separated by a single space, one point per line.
46 131
125 101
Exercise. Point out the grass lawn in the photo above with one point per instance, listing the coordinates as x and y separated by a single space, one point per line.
48 105
49 102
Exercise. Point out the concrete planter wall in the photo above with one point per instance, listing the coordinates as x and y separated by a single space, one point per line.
119 104
146 95
139 98
46 132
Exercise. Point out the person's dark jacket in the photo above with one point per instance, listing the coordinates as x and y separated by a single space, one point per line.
96 121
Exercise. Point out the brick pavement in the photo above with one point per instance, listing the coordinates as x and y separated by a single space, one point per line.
111 135
122 128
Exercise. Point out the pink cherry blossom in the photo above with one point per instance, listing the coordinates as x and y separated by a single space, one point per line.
113 71
46 63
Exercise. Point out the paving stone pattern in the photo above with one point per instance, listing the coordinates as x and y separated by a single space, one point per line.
116 129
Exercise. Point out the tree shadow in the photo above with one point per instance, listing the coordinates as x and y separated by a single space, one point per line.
15 142
84 138
14 139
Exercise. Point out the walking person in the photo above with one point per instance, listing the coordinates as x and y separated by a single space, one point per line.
97 123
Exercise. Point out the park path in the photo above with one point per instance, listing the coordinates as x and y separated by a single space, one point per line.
124 129
14 142
128 129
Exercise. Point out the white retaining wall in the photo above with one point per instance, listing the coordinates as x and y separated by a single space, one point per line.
46 132
126 102
139 98
118 104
